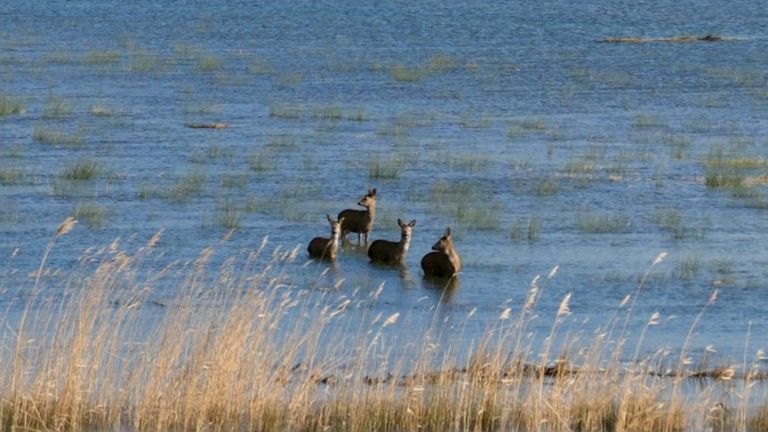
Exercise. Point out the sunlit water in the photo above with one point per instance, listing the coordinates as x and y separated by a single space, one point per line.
511 123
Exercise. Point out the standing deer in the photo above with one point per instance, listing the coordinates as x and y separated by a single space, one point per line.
389 252
360 221
445 262
323 248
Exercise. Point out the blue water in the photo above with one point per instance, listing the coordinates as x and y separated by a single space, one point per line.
517 110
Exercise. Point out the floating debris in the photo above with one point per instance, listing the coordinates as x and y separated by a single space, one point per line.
207 125
705 38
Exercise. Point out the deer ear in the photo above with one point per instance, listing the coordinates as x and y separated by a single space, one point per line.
400 222
330 219
341 220
412 223
373 192
448 232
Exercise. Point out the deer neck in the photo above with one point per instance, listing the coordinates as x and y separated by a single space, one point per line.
454 259
333 245
405 243
371 212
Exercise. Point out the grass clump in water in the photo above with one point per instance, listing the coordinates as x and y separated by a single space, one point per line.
386 168
673 222
82 170
228 216
261 162
647 121
286 111
476 218
92 215
56 137
101 111
728 180
545 187
11 105
104 57
56 109
602 223
186 187
526 229
10 176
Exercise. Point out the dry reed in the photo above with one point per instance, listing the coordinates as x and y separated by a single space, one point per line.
240 347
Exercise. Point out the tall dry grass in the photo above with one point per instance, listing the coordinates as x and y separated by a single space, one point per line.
240 347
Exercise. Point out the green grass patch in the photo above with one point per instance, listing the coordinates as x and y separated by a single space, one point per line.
528 229
545 187
11 105
647 121
186 187
287 111
282 141
101 111
403 73
56 109
483 217
262 161
56 137
227 216
10 176
592 223
672 221
727 180
234 181
92 215
386 168
469 120
102 57
458 191
142 62
209 62
82 170
687 267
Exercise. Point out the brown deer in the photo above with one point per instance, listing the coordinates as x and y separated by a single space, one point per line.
445 262
389 252
323 248
360 221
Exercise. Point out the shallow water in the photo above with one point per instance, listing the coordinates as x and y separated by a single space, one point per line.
538 145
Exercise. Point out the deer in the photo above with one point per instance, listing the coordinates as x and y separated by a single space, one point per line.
389 252
445 261
323 248
360 221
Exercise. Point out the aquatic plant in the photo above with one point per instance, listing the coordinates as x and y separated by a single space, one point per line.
602 223
228 216
92 215
484 218
261 161
102 57
101 111
286 111
10 176
645 120
82 170
57 108
526 229
186 187
11 105
56 137
386 168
